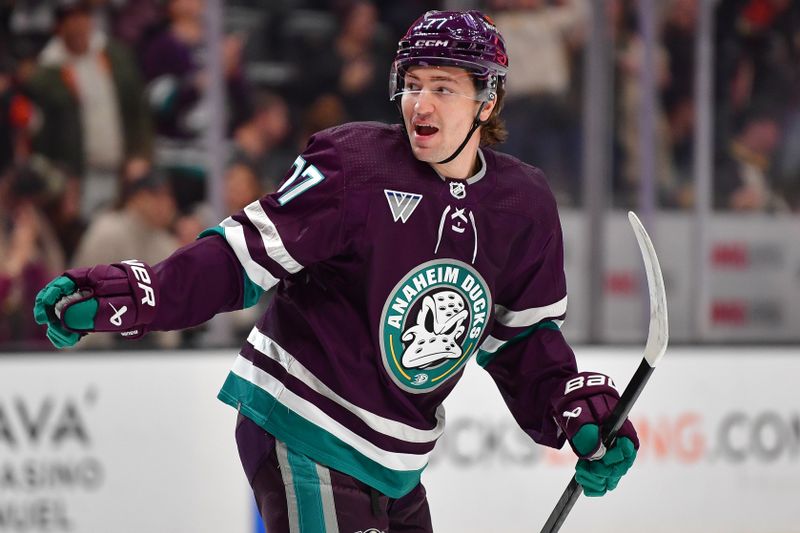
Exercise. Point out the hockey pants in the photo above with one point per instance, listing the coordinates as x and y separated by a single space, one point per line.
294 494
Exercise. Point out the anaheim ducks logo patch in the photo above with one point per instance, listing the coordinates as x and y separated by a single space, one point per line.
432 322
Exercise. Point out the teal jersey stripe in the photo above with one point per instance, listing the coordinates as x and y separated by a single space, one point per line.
307 438
484 358
306 489
252 292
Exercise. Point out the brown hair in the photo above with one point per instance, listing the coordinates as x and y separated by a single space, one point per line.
494 131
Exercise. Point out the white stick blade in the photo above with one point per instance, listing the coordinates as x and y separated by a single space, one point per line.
658 334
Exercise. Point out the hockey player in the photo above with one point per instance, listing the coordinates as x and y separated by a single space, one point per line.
399 253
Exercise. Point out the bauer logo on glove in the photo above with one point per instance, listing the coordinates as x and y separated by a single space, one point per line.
591 380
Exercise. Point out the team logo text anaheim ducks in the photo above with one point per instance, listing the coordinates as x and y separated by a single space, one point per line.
432 323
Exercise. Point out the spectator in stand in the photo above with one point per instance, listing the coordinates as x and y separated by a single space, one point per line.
64 214
679 39
60 203
744 179
242 187
758 59
16 117
29 251
364 52
355 66
768 39
629 59
127 20
138 229
325 112
90 95
261 141
543 123
174 66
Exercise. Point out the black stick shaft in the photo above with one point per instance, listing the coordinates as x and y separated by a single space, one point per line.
609 431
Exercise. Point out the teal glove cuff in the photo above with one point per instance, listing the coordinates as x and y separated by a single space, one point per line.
43 307
598 477
585 440
81 315
44 312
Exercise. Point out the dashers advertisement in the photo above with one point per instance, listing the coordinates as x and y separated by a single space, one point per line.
131 442
720 451
137 442
50 459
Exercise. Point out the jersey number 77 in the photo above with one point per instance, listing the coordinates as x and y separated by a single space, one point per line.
309 175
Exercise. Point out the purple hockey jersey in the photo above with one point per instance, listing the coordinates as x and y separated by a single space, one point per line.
389 279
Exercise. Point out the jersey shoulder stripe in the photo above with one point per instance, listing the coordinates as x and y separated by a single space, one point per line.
237 239
531 316
270 236
492 346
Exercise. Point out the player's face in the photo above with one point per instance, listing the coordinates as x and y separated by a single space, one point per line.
438 109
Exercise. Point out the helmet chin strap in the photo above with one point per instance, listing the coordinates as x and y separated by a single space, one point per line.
476 122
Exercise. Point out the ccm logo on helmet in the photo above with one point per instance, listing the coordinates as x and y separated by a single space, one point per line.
143 279
431 42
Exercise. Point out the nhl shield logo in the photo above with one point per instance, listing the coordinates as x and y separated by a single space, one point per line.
432 323
458 190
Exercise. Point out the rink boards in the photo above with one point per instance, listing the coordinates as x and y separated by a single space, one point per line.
136 441
749 281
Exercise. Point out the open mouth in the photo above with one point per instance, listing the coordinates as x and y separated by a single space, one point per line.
425 130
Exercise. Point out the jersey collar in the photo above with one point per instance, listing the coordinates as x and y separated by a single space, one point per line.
475 177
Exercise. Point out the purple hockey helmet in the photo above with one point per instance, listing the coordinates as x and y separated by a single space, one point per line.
466 39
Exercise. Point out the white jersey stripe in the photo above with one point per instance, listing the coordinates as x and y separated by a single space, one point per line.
389 427
292 508
491 345
271 238
529 317
328 502
392 460
234 234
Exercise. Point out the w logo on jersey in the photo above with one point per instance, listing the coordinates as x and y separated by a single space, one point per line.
402 204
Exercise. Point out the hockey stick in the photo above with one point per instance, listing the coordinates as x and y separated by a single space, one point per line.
657 338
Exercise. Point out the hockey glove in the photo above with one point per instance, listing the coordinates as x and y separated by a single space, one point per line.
588 401
114 298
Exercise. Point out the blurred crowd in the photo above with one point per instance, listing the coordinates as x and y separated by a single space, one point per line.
103 113
756 98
